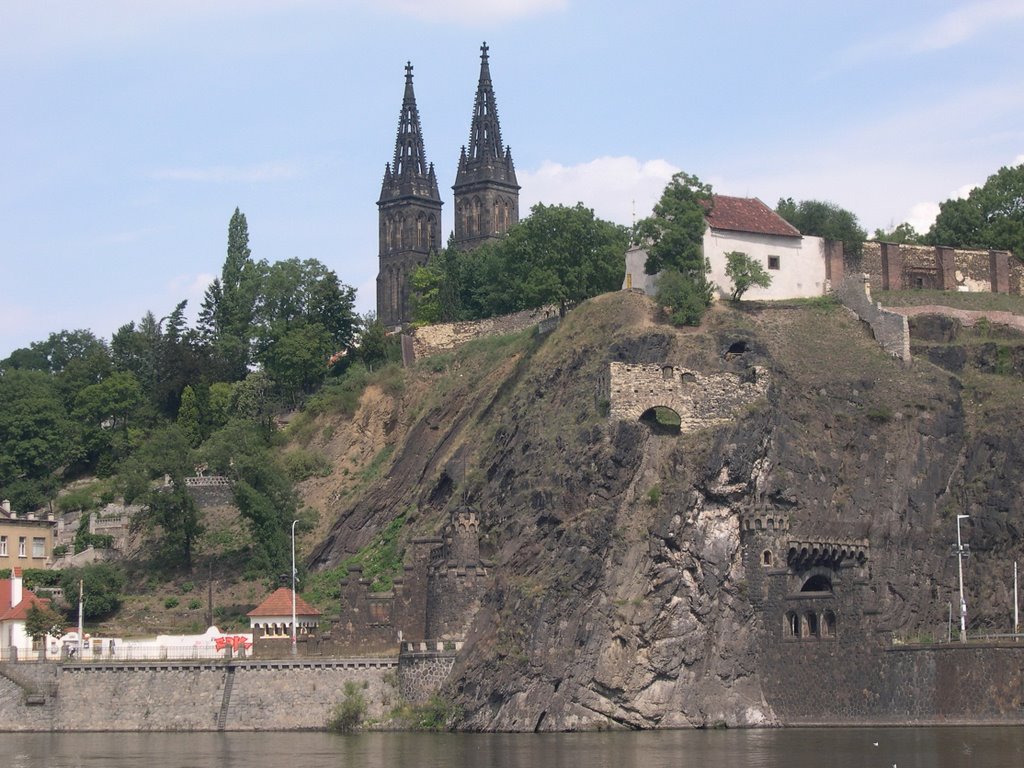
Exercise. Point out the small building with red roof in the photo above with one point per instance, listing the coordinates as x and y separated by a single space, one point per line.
798 264
271 623
15 602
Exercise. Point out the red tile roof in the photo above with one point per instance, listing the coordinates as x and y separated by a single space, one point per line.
280 604
748 214
20 611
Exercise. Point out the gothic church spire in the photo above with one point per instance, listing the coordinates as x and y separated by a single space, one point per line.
409 213
486 189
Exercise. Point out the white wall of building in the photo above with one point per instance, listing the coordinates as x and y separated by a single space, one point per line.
636 278
801 263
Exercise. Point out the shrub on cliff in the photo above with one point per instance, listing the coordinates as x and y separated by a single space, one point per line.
348 714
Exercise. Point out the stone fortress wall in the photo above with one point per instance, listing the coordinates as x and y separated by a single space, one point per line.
895 267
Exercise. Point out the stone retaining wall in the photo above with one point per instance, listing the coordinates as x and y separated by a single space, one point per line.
432 339
890 329
421 672
188 697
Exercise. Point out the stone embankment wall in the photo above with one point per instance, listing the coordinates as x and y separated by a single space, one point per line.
432 339
283 695
899 685
890 329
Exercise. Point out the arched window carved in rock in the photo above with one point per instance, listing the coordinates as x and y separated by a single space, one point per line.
766 558
817 583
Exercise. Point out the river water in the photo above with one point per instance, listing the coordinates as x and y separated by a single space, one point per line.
996 747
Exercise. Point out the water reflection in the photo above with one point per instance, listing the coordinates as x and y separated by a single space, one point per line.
793 748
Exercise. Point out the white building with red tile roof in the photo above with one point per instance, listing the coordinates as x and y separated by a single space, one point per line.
796 263
273 617
15 602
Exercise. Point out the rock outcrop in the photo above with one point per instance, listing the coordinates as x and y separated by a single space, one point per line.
620 592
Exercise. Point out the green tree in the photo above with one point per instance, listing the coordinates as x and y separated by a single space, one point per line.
745 272
824 219
674 235
262 491
42 620
297 359
36 437
991 216
227 311
376 348
175 511
103 412
188 416
559 255
684 301
901 233
102 586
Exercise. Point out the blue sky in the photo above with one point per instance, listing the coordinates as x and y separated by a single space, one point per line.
131 129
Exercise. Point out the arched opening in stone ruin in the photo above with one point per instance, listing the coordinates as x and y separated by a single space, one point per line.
810 624
828 624
689 378
662 420
736 349
792 624
766 558
817 583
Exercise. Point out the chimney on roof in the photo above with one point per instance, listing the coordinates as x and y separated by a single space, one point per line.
15 586
6 505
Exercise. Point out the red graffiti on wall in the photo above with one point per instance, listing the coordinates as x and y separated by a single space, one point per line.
232 641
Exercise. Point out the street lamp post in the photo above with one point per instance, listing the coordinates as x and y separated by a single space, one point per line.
295 649
960 567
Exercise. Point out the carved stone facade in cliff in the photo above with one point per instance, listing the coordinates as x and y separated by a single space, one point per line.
434 601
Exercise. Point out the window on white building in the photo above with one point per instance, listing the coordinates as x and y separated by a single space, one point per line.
773 262
3 546
21 546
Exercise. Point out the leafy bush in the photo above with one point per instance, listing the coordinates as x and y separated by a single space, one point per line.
684 299
301 464
102 584
171 602
437 714
349 713
194 604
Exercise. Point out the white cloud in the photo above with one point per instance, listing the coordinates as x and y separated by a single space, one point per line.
220 174
961 25
471 12
966 23
42 28
615 187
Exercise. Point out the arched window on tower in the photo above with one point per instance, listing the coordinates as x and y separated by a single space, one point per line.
828 624
791 628
766 558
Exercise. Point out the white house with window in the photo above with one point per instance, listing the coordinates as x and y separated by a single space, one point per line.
796 263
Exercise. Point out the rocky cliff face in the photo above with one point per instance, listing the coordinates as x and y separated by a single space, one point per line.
619 596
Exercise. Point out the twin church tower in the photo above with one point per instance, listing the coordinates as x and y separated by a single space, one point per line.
486 196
